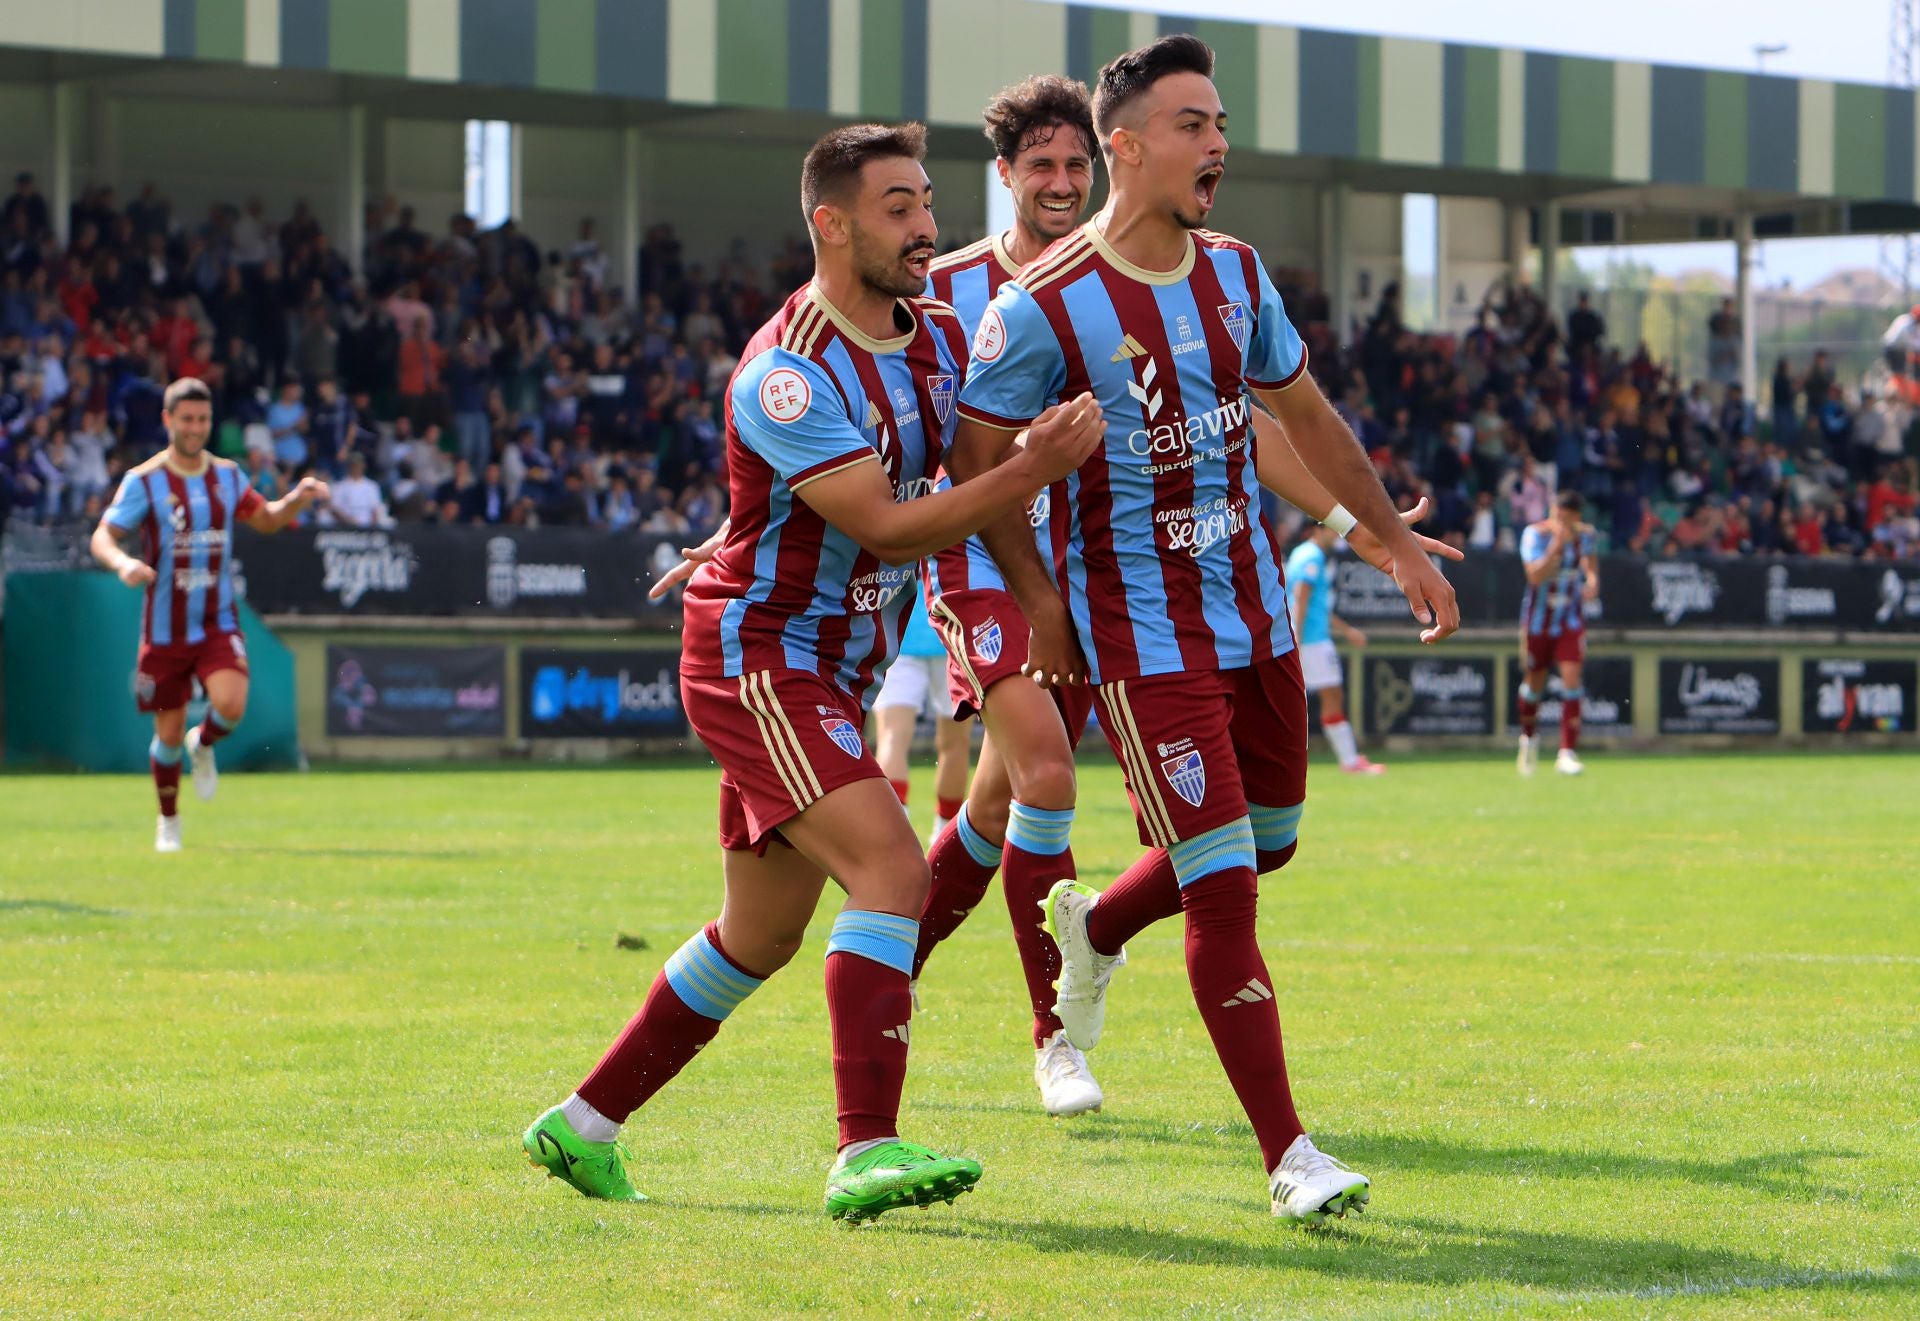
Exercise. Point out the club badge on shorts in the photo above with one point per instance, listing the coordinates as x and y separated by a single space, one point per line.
987 640
1186 772
844 736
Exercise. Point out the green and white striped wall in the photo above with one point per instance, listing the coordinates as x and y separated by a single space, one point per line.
1289 90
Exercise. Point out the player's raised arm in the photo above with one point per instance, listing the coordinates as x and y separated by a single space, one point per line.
271 516
1540 552
858 499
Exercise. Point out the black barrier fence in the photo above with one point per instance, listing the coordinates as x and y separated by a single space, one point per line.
429 570
416 692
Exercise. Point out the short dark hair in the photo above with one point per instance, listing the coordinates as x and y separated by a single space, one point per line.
1025 114
1129 77
834 163
186 390
1570 499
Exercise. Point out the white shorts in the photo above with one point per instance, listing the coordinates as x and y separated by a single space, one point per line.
1320 666
914 682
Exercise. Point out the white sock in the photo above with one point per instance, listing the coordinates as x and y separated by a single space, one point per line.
590 1124
940 823
853 1149
1341 736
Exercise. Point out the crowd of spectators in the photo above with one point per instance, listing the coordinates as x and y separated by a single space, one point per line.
1493 423
471 377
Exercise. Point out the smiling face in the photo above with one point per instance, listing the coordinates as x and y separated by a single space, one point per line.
1050 178
1172 141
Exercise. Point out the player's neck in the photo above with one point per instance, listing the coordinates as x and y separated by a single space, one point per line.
1023 245
859 305
185 465
1147 238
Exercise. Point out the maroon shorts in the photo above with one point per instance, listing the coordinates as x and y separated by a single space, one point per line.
986 635
784 739
163 677
1544 649
1200 748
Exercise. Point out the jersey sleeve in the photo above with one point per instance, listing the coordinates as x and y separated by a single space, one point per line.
250 503
130 504
1533 544
1017 369
788 410
1304 567
1276 358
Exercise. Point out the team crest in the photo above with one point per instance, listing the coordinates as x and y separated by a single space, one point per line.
987 640
1187 773
844 736
940 390
1234 317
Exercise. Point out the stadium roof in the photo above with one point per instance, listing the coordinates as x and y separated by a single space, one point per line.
1380 113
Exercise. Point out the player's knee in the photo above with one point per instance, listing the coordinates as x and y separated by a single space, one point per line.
1045 782
890 879
230 713
987 814
1266 860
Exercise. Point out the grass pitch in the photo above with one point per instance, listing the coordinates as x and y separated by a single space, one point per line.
1640 1044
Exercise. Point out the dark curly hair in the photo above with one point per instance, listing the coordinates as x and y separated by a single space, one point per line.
1027 114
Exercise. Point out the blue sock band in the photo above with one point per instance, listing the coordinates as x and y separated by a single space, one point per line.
705 982
1528 695
1038 829
978 846
1275 827
886 938
217 720
167 754
1572 694
1223 849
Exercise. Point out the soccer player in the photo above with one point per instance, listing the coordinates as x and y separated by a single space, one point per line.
1174 606
836 419
1310 582
1563 578
182 504
916 682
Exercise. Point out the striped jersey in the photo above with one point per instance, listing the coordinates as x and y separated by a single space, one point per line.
1557 605
186 533
813 396
1164 554
967 281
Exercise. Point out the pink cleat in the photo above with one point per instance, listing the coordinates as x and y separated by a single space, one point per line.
1361 766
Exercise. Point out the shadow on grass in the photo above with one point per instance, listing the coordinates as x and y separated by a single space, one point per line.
59 906
1417 1250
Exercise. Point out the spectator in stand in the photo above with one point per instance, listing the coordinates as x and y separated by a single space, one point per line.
451 495
26 209
287 423
1817 384
356 500
421 361
469 379
1585 327
1786 423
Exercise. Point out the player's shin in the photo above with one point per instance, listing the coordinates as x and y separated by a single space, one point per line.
1145 893
164 760
1570 712
1231 984
869 957
689 1000
215 727
1037 856
1529 711
962 861
1340 734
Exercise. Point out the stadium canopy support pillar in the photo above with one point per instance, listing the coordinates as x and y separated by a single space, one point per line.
1550 256
1743 302
63 98
1336 256
353 186
632 159
1518 241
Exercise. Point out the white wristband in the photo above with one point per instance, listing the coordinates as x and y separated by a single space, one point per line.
1340 520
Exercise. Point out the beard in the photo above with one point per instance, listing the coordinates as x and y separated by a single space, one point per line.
886 271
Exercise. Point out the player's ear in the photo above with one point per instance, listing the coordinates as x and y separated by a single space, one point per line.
831 223
1006 171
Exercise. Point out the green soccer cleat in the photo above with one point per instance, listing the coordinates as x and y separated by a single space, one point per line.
892 1175
595 1169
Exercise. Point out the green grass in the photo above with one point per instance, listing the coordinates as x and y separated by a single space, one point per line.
1643 1044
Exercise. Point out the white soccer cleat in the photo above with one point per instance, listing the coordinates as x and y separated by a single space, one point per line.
1529 753
1569 763
166 836
1084 971
1066 1083
206 775
1310 1185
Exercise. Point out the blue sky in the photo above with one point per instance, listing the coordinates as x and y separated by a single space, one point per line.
1841 39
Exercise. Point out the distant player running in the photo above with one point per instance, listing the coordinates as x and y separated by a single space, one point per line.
1310 573
1563 578
917 682
1173 597
182 504
836 420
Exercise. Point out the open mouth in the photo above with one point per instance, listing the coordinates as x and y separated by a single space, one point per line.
1207 185
920 261
1060 206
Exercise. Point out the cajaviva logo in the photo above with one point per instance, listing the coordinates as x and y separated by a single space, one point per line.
616 697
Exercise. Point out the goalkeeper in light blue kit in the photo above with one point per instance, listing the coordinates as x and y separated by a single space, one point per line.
1310 573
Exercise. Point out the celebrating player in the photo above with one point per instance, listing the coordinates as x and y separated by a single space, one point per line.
916 682
183 503
1174 604
836 419
1310 584
1563 578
